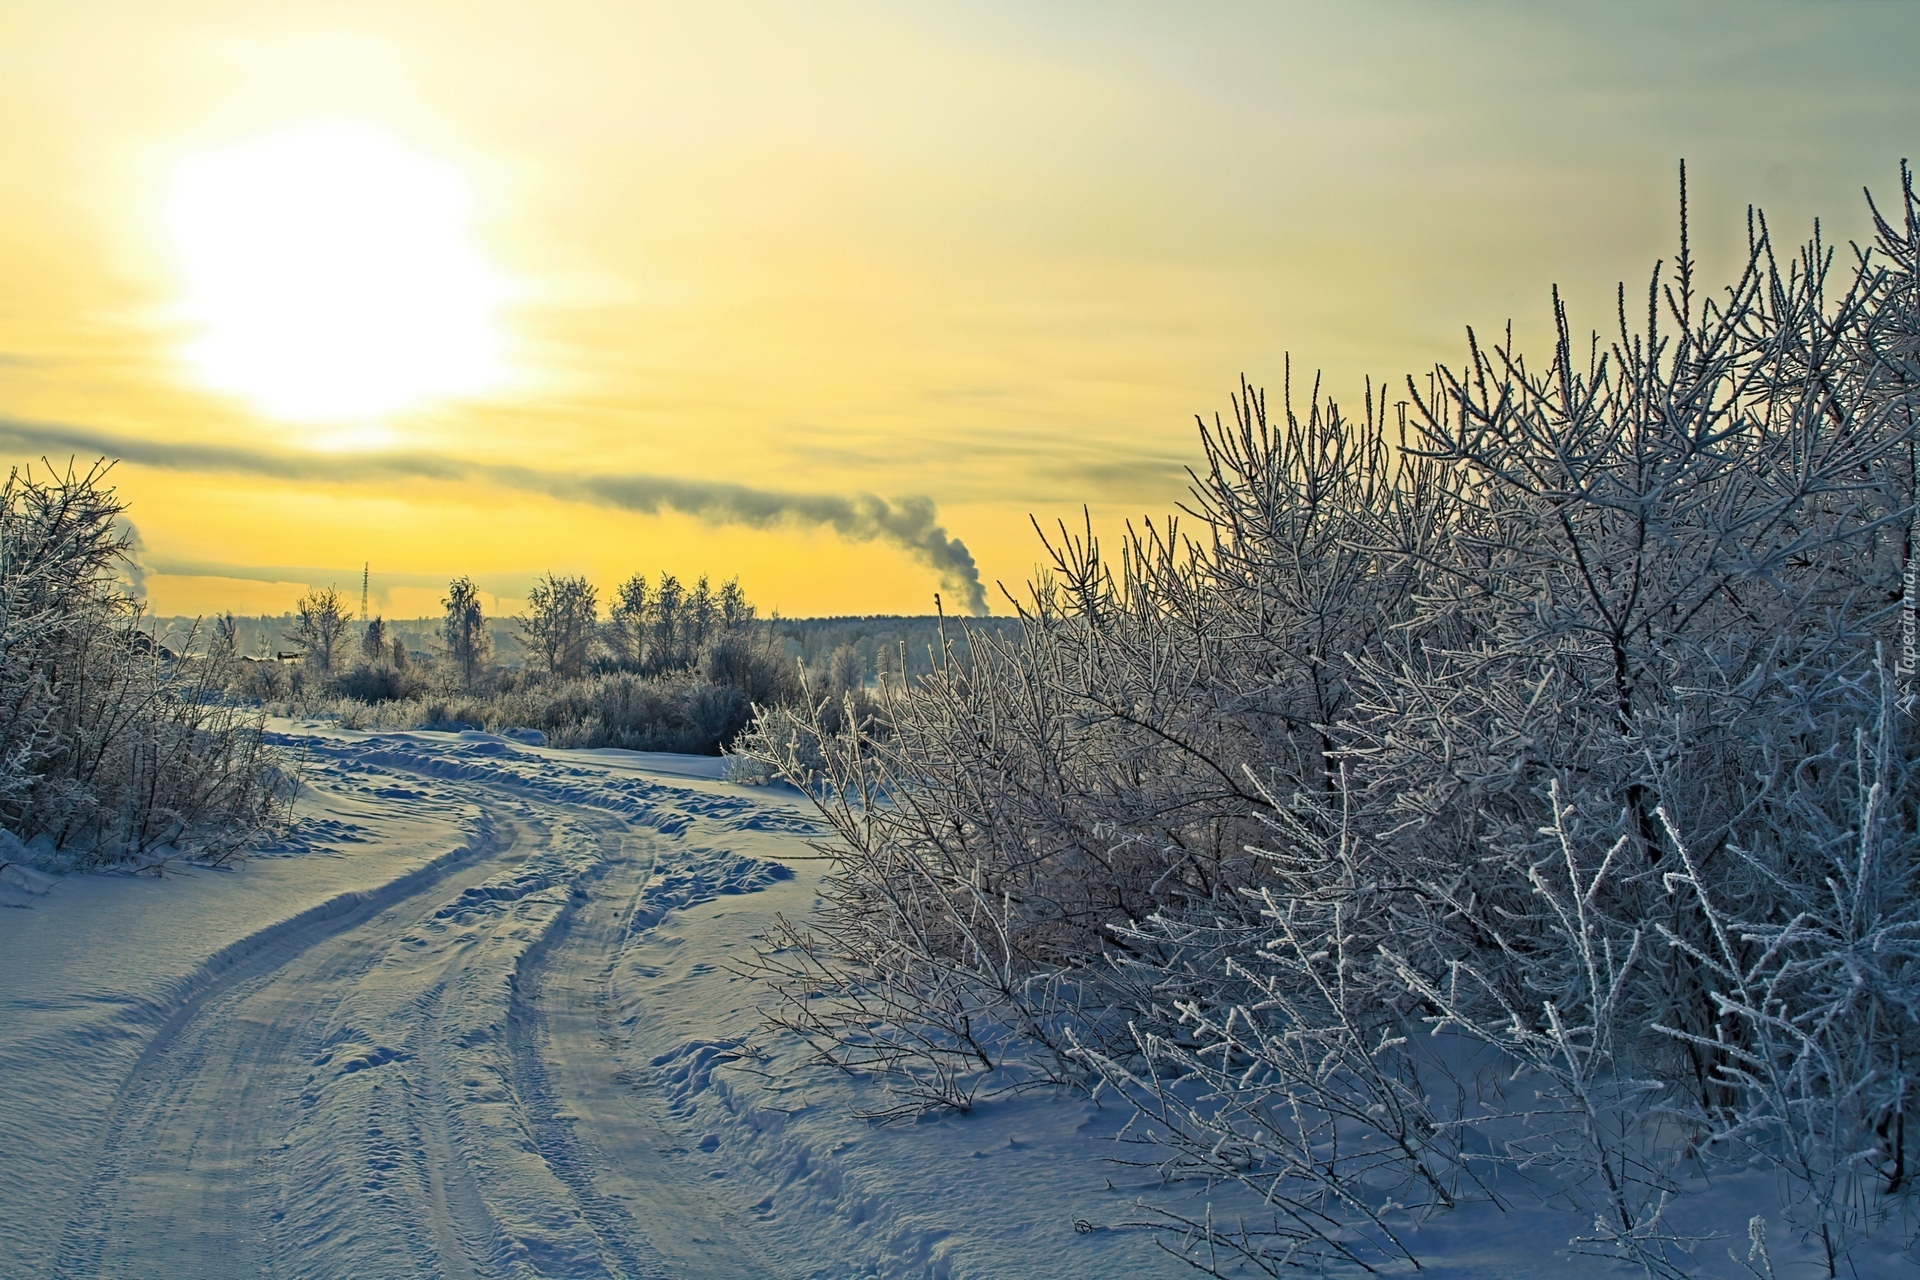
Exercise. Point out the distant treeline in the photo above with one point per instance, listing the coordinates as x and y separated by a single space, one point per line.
266 635
879 639
664 666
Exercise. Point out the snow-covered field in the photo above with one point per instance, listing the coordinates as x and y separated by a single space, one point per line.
477 1017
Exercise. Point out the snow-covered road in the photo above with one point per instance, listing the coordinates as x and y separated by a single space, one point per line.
472 1023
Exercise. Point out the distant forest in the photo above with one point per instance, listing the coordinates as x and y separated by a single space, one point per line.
879 639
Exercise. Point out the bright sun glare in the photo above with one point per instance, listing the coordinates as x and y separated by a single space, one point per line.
332 275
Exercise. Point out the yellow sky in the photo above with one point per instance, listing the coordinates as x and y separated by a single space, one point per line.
775 256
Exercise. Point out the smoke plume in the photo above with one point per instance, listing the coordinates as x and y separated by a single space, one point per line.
909 523
133 563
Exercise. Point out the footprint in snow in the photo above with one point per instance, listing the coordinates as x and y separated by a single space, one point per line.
379 1056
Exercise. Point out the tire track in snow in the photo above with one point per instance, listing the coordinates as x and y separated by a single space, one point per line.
611 1141
461 1082
160 1086
391 1086
551 1126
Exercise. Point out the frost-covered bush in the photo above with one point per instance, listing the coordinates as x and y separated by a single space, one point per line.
112 749
258 681
749 659
620 709
379 681
1548 718
697 709
746 771
1090 772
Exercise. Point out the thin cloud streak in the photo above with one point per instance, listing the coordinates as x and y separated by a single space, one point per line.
505 584
500 586
909 523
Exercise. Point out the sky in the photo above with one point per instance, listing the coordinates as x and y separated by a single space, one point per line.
833 296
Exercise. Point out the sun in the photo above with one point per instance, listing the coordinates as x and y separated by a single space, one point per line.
332 275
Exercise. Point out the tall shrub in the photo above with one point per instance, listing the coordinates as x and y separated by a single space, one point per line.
1550 710
111 749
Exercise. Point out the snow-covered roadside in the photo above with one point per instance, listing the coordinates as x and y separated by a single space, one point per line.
99 964
481 1015
475 1017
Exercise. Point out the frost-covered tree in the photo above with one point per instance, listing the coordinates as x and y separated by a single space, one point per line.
666 640
226 636
627 622
320 624
846 672
703 615
373 642
663 629
736 610
559 622
464 630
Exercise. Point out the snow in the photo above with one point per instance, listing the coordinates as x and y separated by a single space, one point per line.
480 1013
476 1015
20 883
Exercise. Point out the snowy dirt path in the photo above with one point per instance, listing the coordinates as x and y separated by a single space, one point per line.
421 1086
480 1019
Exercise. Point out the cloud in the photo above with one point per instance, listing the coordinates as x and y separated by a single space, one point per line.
512 586
1034 468
909 523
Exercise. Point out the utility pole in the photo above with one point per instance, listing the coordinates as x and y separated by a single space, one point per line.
366 571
